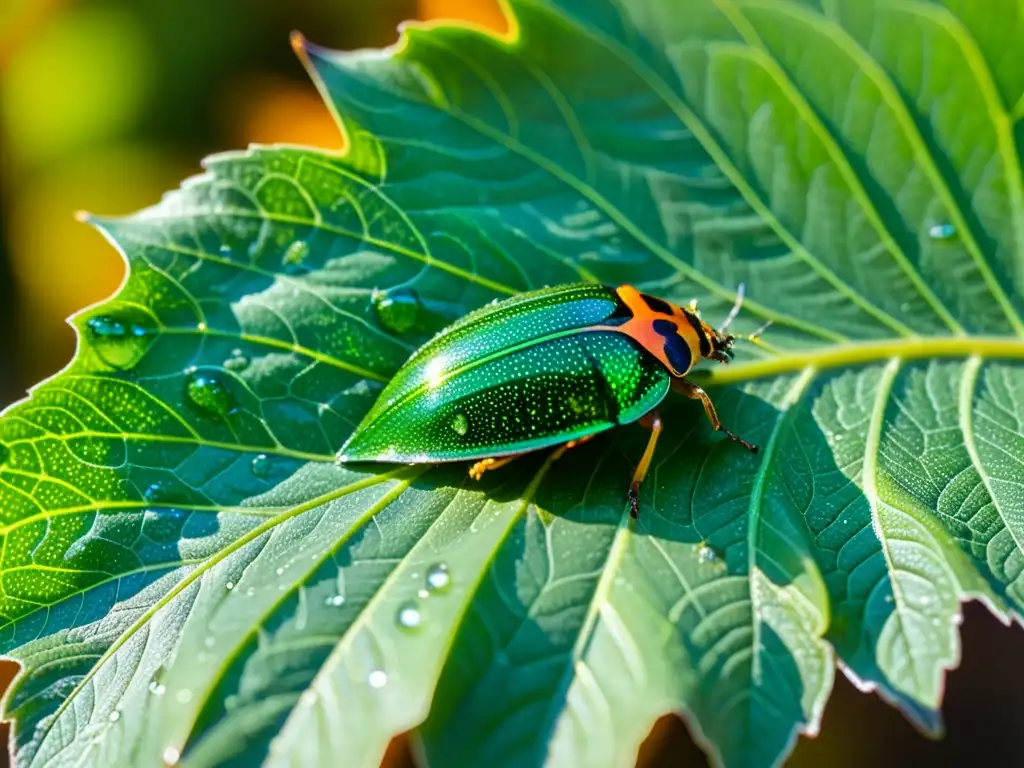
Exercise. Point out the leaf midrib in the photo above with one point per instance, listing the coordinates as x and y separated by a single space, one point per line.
867 352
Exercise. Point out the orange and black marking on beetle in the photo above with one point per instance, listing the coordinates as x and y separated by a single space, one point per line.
547 368
678 338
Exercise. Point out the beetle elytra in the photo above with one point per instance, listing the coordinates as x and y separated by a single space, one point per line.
551 367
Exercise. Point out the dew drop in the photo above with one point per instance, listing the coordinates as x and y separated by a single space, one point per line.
399 311
280 571
201 327
237 363
944 231
156 492
119 342
261 466
157 688
295 254
208 393
229 586
335 600
459 424
422 594
171 756
378 678
184 696
105 326
409 616
706 554
438 577
114 716
225 250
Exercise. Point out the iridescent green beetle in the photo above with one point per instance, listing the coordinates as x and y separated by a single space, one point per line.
552 367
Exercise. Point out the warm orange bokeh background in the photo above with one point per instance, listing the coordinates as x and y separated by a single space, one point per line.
104 104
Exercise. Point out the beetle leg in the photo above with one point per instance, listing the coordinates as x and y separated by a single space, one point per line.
478 469
694 392
653 422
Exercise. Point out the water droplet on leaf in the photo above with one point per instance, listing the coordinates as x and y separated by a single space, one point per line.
107 327
942 232
459 424
229 586
296 254
114 716
157 688
409 616
378 678
184 696
399 311
237 362
438 578
706 554
156 492
261 466
171 756
335 600
208 393
120 342
225 250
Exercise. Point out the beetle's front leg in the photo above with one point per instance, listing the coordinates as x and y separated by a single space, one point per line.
692 391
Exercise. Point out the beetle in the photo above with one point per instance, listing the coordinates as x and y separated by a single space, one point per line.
550 367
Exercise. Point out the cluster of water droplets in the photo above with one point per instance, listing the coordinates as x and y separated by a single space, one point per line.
410 614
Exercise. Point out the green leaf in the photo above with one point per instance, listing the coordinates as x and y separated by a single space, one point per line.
187 574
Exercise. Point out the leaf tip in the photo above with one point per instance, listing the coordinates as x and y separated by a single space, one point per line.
298 41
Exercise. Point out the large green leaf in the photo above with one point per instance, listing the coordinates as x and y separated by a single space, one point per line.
188 576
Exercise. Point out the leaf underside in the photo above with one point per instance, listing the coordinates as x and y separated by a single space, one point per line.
187 574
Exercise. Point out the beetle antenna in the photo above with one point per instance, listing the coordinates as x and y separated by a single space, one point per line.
755 337
740 290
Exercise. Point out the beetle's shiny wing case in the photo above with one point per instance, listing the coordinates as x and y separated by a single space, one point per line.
511 377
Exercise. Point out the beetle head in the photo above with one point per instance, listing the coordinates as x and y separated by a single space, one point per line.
721 343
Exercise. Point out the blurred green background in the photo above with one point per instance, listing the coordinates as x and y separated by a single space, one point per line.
105 104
